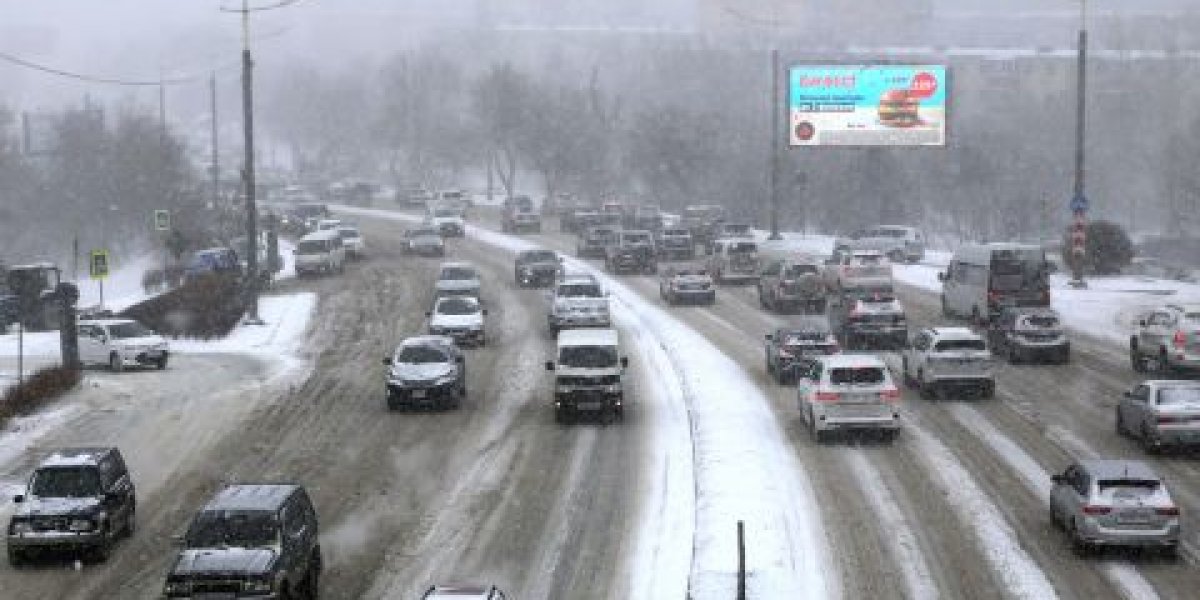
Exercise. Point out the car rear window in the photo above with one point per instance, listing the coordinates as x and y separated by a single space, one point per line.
1174 396
950 345
311 246
580 290
856 375
457 273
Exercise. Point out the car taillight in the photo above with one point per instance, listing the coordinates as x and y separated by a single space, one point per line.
890 395
1167 511
784 353
993 297
1180 340
1096 510
1046 297
827 397
1163 419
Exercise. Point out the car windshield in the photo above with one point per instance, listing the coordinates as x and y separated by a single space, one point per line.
1175 396
588 357
418 354
457 273
800 271
579 290
65 482
348 233
457 306
311 246
131 329
952 345
743 248
856 375
233 528
539 256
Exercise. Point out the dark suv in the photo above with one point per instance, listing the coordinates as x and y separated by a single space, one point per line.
250 540
633 251
78 499
537 268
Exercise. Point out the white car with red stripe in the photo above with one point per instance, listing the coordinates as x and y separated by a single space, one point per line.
844 392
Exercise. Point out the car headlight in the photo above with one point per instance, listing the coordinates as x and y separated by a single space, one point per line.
81 525
20 527
177 588
258 586
444 380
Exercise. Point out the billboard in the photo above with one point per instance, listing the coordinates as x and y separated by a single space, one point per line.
867 105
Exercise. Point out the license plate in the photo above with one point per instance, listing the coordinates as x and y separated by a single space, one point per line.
418 393
858 398
590 405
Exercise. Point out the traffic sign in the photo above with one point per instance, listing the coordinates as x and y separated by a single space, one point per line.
162 220
98 264
1079 203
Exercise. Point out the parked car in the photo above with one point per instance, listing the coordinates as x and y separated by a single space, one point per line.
1106 502
460 318
1161 413
212 260
1167 339
844 392
464 592
352 239
944 359
788 284
578 301
595 241
632 251
251 540
787 346
869 320
857 270
897 242
734 261
690 285
426 371
457 279
537 268
121 343
588 374
424 241
675 243
78 500
320 252
1029 334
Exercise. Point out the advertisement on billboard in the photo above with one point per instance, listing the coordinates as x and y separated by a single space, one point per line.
867 105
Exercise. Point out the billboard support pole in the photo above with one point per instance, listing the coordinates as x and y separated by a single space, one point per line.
1079 202
773 172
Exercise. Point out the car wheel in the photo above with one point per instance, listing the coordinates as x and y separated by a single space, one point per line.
890 435
946 309
312 579
1055 522
1079 546
115 363
392 403
925 389
560 415
161 363
16 558
1147 441
130 522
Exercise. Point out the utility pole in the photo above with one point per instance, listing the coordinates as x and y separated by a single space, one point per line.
773 174
216 155
1079 202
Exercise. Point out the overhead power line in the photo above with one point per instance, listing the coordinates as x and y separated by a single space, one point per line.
16 60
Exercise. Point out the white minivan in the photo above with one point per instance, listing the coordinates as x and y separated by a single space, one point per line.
320 252
982 279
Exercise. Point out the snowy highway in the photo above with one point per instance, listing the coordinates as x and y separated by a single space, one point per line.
496 491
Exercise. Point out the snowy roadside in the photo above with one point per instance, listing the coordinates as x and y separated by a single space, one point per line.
742 467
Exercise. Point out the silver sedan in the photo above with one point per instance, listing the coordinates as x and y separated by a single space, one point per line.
1160 413
1114 503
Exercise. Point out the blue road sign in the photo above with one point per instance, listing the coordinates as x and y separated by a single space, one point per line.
1079 203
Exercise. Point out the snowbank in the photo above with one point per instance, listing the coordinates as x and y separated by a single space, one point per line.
281 336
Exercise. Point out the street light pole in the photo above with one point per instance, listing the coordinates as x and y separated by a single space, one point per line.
248 172
773 173
1079 203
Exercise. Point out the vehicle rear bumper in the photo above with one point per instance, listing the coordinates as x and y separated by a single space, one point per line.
55 539
832 417
589 400
412 396
1095 533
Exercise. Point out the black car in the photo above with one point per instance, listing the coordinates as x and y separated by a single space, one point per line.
594 241
1029 334
537 268
786 346
250 540
78 499
633 251
426 371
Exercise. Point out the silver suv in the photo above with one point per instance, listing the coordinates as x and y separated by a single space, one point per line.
899 243
1167 338
1114 503
1161 413
578 301
941 359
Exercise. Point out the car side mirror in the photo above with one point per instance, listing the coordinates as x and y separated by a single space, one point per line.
549 365
428 313
485 312
1058 478
941 276
387 360
19 498
624 362
769 337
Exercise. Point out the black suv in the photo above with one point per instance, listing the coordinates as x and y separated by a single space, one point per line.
873 320
250 540
536 268
78 499
426 370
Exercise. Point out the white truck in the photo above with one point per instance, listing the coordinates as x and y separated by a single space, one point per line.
589 375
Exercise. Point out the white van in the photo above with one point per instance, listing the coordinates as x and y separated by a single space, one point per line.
320 252
984 278
589 374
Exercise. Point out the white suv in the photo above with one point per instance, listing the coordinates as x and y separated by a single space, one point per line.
578 301
940 359
119 343
844 392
